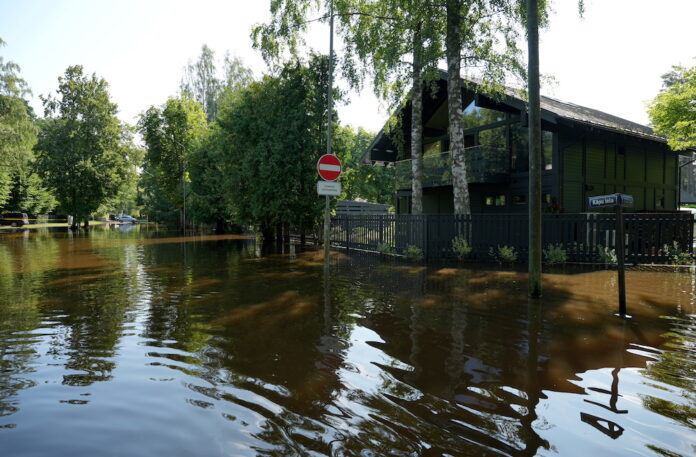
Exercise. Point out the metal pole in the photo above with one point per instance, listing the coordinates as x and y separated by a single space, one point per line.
620 245
534 150
329 95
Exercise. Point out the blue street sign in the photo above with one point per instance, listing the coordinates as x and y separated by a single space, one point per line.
602 201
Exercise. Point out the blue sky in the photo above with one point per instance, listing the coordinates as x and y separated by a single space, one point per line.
611 60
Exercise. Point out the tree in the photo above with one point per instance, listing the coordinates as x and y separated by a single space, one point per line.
673 111
171 134
271 134
20 188
202 83
80 151
482 35
360 181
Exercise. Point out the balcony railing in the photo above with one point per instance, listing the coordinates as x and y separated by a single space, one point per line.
483 165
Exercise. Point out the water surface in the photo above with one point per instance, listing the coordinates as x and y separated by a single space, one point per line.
146 343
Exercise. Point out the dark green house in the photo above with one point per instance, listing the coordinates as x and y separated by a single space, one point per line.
585 153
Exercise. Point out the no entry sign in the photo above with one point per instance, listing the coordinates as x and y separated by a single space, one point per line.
329 167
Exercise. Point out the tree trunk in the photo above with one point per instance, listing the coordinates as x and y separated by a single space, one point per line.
279 233
267 232
534 151
460 182
417 125
219 226
86 223
303 238
286 232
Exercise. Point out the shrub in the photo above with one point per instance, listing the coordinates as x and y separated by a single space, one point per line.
554 254
385 248
503 254
414 253
606 255
461 247
677 255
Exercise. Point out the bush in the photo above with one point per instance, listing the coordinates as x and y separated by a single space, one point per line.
503 254
555 254
677 255
461 247
606 255
385 248
414 253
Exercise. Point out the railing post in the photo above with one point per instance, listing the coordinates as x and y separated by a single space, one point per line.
347 229
425 236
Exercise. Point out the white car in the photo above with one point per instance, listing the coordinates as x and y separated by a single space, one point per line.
127 219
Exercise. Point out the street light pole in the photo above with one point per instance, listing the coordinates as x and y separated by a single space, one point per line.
534 114
329 95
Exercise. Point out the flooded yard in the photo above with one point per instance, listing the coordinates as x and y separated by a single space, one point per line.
146 343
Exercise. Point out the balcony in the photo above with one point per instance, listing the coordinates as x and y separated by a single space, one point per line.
483 165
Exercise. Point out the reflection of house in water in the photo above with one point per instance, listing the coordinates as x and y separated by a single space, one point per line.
585 153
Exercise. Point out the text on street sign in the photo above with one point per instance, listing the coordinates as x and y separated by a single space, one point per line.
330 188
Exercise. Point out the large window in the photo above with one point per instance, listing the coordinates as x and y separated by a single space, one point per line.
475 116
520 148
494 138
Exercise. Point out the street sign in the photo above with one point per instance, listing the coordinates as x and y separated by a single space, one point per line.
329 188
603 201
329 167
618 201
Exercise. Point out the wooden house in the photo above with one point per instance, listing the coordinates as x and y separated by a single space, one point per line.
585 153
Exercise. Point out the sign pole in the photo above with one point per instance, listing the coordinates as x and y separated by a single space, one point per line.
329 96
618 201
620 245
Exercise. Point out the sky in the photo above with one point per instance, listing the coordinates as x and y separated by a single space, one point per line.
611 59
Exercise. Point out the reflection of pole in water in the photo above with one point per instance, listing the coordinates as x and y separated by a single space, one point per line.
606 426
534 441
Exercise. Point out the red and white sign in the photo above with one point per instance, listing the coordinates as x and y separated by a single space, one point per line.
329 167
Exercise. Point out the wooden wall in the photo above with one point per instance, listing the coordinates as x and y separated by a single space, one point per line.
596 163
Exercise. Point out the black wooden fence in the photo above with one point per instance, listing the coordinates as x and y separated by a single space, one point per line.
581 235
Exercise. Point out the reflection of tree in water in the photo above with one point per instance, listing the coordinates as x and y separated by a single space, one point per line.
675 368
477 349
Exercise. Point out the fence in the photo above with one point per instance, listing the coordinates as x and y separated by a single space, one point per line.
580 234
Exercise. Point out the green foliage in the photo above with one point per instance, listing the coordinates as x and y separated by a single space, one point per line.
461 247
673 111
362 181
413 253
677 255
202 83
503 254
83 149
171 133
606 255
271 135
20 187
386 248
555 254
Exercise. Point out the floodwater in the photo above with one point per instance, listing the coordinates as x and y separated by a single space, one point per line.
143 343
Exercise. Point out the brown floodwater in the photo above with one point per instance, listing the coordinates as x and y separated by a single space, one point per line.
146 343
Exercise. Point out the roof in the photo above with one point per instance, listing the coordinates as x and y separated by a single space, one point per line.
553 110
598 119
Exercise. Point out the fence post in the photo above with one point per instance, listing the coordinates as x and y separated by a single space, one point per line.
381 229
425 236
347 229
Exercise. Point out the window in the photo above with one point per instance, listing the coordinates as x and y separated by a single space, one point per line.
474 116
493 138
547 149
520 148
498 200
430 149
519 199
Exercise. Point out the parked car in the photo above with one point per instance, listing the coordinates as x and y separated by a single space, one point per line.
127 219
15 219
